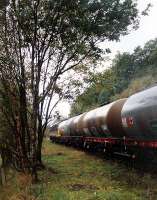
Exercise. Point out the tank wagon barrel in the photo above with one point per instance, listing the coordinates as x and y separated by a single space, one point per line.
126 126
101 122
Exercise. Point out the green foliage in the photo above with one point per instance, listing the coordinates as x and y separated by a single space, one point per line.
124 70
42 40
99 91
77 25
128 74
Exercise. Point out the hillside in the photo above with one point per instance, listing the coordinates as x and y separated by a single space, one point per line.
128 74
137 85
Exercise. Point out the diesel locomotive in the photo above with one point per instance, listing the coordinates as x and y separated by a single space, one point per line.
126 127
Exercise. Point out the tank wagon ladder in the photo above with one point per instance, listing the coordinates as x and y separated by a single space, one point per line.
124 151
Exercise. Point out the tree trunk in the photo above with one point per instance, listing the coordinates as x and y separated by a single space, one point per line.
39 152
3 177
39 145
2 170
40 164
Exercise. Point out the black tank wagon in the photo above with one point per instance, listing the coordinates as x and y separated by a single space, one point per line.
125 127
140 111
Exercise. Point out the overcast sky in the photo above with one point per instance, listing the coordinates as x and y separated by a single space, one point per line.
146 32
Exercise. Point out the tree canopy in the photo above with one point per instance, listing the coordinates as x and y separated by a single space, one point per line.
41 40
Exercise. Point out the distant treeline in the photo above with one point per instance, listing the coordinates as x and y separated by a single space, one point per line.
128 74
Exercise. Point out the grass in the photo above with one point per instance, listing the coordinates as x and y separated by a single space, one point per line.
75 175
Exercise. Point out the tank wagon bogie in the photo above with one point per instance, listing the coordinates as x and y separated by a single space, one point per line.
124 127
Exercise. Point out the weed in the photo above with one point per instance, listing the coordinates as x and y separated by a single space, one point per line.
74 175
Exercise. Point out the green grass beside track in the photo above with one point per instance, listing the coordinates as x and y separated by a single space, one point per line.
75 175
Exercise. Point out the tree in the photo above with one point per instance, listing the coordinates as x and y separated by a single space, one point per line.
124 69
146 57
101 86
41 40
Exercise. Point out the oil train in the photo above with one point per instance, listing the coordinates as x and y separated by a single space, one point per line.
126 127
